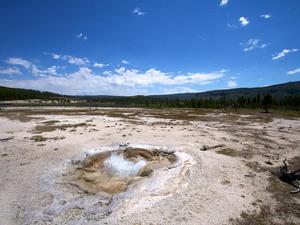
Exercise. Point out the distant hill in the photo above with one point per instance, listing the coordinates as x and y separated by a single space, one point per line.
278 91
22 94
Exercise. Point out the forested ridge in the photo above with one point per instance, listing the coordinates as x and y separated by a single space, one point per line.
281 96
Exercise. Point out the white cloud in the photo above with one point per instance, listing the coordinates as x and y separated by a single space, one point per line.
55 56
254 43
32 68
283 53
291 72
244 21
178 90
265 16
10 71
81 36
121 82
75 60
139 12
107 72
231 84
51 71
71 59
19 62
124 62
224 2
100 65
122 70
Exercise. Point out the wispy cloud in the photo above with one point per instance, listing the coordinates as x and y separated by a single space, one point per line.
231 25
265 16
81 36
124 62
100 65
76 60
254 43
139 12
70 59
10 71
51 71
231 84
30 67
55 56
178 90
224 2
19 62
291 72
284 52
244 21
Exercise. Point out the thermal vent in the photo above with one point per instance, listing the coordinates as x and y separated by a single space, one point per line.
114 171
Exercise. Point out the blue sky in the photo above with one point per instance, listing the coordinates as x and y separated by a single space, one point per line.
129 47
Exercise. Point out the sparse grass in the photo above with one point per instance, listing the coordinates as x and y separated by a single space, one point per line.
50 122
265 216
287 207
255 166
38 138
185 114
287 204
235 153
225 182
50 128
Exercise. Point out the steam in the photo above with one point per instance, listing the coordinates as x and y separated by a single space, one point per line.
117 165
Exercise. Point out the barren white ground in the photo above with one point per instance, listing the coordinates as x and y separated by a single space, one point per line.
215 187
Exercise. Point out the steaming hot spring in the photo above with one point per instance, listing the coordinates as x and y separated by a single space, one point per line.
113 171
115 180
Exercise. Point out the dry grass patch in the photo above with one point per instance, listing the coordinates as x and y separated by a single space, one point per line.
288 205
50 122
265 216
287 208
39 138
235 153
50 128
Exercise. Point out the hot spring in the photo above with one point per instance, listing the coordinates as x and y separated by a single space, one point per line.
117 165
113 171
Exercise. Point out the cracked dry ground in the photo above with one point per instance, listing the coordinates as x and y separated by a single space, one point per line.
230 182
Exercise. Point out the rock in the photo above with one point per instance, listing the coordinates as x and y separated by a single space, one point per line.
5 139
5 154
204 148
269 163
250 175
75 161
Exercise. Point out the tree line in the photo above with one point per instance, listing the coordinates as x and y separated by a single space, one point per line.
267 101
23 94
